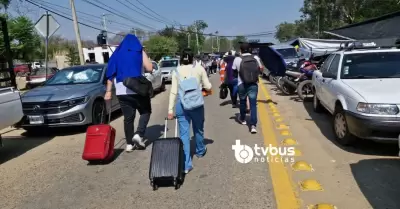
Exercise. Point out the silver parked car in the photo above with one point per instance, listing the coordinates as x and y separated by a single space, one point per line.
167 66
72 97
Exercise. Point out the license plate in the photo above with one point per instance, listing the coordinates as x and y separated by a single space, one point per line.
36 119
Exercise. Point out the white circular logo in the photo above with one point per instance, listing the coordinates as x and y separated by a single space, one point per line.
243 153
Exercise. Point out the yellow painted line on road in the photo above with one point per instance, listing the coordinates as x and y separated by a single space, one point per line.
284 191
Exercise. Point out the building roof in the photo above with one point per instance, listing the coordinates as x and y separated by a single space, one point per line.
385 26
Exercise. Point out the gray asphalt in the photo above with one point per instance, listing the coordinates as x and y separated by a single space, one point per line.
40 172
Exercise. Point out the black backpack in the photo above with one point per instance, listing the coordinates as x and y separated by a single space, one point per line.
249 69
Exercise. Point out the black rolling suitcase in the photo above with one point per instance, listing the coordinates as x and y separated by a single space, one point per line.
167 163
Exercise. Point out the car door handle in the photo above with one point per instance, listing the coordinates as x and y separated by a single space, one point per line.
323 80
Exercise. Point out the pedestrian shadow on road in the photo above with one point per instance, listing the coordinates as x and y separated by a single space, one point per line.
19 143
193 145
155 132
364 147
378 180
226 102
266 101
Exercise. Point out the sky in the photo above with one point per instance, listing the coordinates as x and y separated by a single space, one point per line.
229 17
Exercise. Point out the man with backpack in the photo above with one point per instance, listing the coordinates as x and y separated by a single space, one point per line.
249 67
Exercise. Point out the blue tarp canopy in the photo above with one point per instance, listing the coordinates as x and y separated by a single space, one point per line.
272 60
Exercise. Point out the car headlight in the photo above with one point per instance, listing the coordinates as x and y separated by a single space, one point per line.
75 101
378 109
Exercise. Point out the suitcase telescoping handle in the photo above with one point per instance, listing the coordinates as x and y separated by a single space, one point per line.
109 113
166 124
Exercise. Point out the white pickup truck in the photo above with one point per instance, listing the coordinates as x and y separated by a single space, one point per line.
10 108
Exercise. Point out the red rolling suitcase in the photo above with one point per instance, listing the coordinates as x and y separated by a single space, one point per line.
99 143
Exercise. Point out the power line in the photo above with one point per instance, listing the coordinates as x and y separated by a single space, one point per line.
80 12
181 30
119 15
162 17
148 15
68 18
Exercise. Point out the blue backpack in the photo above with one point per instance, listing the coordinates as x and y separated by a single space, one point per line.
189 92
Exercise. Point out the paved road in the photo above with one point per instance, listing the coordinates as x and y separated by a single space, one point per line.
363 176
39 172
47 171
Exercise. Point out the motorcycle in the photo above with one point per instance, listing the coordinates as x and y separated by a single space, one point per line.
285 83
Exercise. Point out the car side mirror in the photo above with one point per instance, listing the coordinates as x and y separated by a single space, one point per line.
328 75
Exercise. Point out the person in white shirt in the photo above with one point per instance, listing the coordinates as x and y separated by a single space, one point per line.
249 90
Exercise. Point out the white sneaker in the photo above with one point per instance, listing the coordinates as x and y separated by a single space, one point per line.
253 130
139 141
129 148
243 122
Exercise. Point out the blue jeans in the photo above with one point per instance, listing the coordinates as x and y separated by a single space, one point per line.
185 117
251 91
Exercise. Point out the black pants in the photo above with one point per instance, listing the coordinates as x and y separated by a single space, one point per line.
234 95
213 69
129 104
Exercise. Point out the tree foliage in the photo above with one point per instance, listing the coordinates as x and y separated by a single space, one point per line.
186 36
24 41
236 41
72 56
159 46
322 15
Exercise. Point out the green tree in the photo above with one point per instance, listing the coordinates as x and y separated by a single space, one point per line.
4 4
25 42
236 42
159 46
321 15
72 56
285 31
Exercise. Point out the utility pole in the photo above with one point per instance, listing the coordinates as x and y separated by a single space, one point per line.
197 40
77 33
216 33
105 25
188 37
318 25
212 43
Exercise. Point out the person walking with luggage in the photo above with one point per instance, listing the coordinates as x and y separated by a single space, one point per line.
249 68
128 61
187 99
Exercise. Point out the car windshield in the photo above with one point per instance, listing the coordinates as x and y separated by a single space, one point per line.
169 63
41 72
287 53
371 65
77 75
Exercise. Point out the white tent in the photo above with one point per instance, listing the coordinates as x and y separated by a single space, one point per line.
318 47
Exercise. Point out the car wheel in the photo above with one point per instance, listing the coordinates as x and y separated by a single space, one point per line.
317 106
162 87
99 113
340 128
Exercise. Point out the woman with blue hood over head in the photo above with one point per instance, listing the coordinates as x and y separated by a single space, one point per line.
129 60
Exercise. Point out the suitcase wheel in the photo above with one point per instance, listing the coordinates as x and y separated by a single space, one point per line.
155 187
177 184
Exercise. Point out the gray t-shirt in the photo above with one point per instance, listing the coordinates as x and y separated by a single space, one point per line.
238 60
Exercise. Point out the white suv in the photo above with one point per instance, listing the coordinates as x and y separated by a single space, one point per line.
361 89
